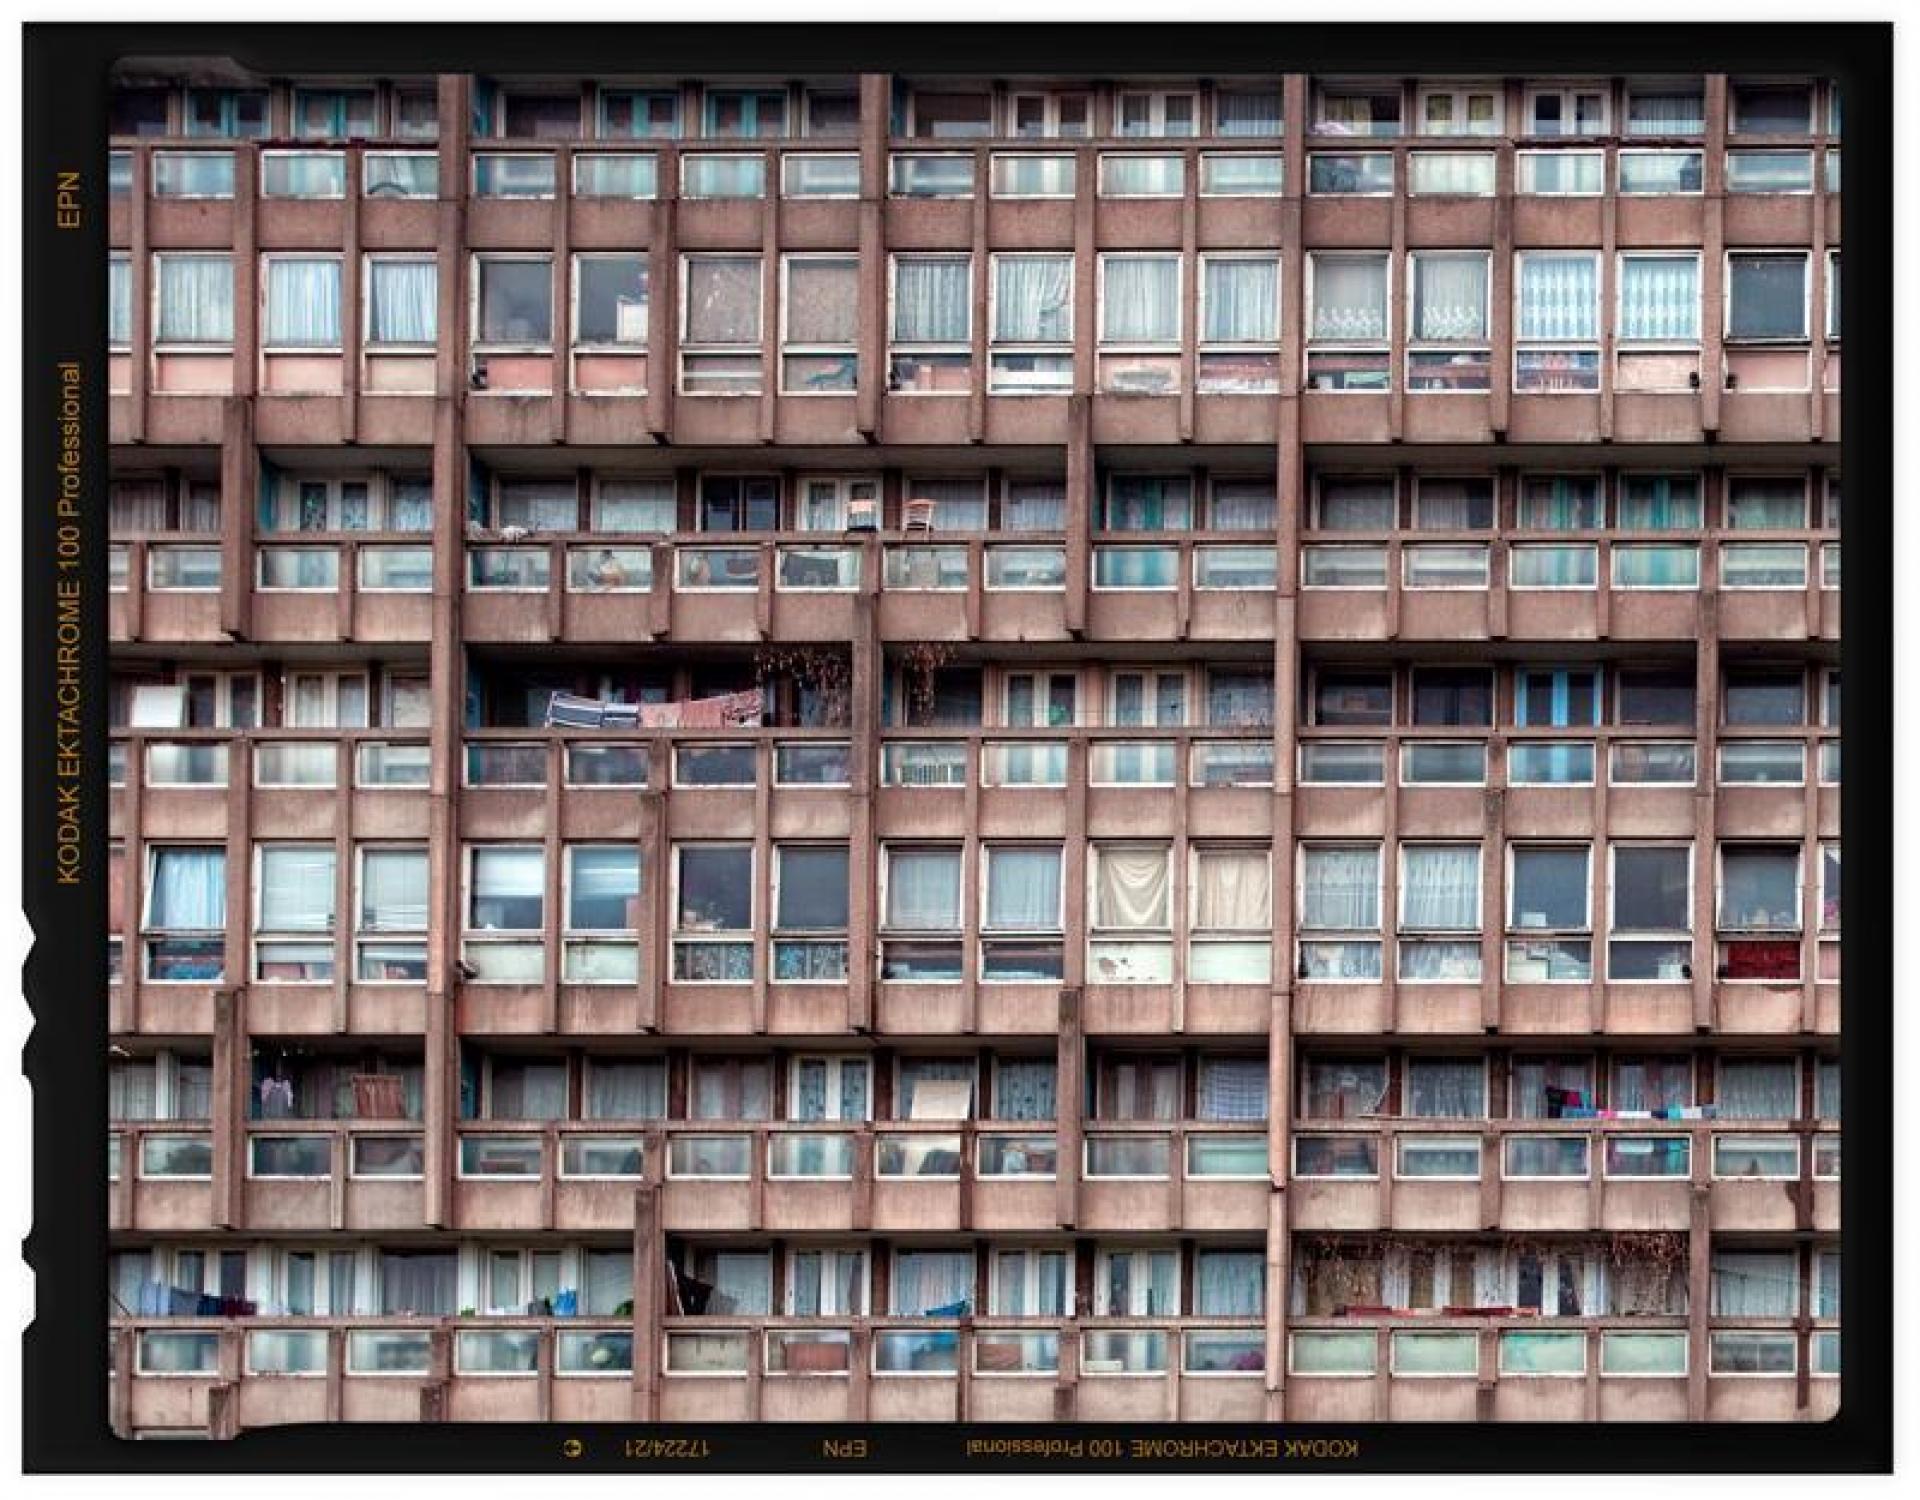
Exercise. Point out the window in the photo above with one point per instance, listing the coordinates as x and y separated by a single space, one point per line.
303 303
1354 504
1771 109
921 899
1665 109
1660 299
1566 110
1047 116
1032 176
1659 502
810 913
513 307
1340 912
1557 698
731 175
293 898
1758 1088
1022 915
826 1284
1367 174
1347 333
333 114
631 174
1133 176
713 913
1356 109
403 293
1548 901
1246 111
1157 113
119 300
1766 296
820 312
1653 696
1449 325
1139 323
230 113
401 174
820 176
1452 696
1439 900
1031 1283
1450 174
629 114
950 116
1769 171
194 299
186 915
1239 324
1130 914
391 921
1561 174
602 896
1763 697
931 1284
506 894
192 174
746 113
1760 888
513 174
720 329
610 295
932 324
1652 894
1240 174
1032 324
1446 1088
1459 110
830 1088
1558 321
1661 172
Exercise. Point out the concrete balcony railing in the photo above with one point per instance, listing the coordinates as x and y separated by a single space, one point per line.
965 1369
1546 1176
1496 1368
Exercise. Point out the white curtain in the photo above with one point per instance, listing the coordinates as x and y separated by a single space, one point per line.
1229 1284
393 890
189 890
1342 890
1450 296
1024 1089
1034 506
1766 504
932 299
1146 1088
923 889
627 1091
1349 297
1446 1088
1246 112
137 505
1142 299
1660 298
1233 891
1030 1284
1454 505
1132 888
1758 1089
1243 505
423 1284
1232 1088
196 299
1242 302
723 300
1560 296
1033 299
1755 1284
528 1091
1652 1083
303 304
1023 890
828 1283
402 301
958 504
1441 888
1468 173
927 1279
1665 114
731 1089
1140 1284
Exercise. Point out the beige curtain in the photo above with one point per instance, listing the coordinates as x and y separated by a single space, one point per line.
1131 889
1233 891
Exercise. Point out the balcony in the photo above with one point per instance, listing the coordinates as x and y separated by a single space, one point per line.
1533 1176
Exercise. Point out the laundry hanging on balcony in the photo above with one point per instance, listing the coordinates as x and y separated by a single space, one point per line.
728 711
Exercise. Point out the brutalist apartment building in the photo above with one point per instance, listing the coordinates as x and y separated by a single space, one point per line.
968 749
